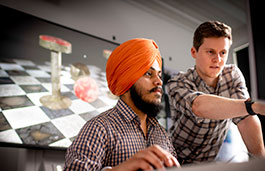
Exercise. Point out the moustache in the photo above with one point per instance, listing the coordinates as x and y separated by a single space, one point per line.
157 88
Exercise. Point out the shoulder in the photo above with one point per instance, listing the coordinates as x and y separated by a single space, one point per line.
181 80
232 70
101 123
182 75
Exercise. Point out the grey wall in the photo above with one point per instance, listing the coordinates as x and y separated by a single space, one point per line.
108 18
117 18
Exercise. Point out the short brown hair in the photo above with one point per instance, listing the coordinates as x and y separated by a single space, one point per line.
211 29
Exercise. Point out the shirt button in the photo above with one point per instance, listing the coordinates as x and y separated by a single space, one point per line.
214 141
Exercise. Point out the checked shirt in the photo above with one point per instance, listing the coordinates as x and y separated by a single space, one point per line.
198 139
113 137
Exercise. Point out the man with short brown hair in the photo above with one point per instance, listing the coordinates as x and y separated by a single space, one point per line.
207 98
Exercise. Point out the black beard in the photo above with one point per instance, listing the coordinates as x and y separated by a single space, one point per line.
149 108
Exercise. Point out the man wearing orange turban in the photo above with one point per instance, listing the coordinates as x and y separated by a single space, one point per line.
128 136
129 62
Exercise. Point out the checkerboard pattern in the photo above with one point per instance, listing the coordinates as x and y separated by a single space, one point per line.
24 120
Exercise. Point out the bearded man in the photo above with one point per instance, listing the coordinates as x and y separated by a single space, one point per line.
128 136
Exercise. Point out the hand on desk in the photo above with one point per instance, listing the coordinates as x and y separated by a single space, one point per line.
153 157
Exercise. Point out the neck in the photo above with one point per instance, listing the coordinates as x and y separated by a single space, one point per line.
212 82
142 116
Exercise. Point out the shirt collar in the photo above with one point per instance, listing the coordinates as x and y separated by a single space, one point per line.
197 79
129 115
152 120
200 82
126 111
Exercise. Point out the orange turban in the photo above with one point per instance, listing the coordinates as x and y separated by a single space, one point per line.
128 62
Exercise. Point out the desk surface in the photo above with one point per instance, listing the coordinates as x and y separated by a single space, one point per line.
252 165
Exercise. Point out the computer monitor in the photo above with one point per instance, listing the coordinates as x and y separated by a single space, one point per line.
25 77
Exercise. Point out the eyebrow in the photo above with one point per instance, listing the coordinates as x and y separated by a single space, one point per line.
209 48
155 69
213 49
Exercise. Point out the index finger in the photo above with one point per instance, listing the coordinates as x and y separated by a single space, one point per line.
164 156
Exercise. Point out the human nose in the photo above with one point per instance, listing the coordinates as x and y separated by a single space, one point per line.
158 81
217 58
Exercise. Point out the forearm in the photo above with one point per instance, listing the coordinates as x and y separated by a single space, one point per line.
216 107
259 108
251 132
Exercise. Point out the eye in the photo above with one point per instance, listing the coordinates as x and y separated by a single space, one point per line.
149 74
160 76
211 52
223 53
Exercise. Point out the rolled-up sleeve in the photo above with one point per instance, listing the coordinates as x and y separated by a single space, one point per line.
182 94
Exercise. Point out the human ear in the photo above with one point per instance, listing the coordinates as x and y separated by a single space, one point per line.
193 52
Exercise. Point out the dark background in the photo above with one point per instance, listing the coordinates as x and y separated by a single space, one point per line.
258 36
243 64
256 13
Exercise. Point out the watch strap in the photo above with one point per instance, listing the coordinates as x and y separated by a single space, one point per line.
248 104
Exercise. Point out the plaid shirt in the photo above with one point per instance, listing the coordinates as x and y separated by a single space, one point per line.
198 139
113 137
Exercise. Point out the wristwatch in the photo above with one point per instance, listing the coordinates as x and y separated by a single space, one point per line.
248 104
